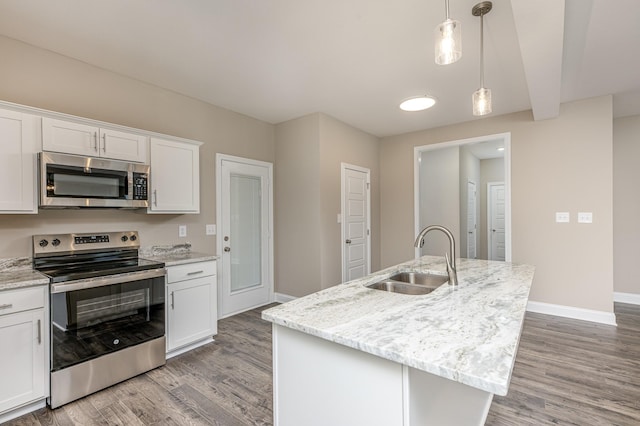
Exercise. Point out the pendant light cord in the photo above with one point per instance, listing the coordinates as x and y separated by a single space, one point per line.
482 50
446 6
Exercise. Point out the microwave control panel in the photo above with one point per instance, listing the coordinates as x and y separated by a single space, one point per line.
140 186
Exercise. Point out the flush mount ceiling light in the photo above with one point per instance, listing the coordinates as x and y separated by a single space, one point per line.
482 96
448 40
418 103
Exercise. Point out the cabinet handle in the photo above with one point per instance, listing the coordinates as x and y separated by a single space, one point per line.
95 141
7 306
155 197
194 272
172 300
39 332
104 142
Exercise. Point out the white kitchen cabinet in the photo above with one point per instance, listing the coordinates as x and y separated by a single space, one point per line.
76 138
175 177
24 358
19 143
191 306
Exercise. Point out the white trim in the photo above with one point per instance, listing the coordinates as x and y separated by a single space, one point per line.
417 150
189 347
608 318
632 298
343 168
219 243
283 298
21 411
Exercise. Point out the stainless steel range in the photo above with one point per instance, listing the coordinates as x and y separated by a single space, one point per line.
107 310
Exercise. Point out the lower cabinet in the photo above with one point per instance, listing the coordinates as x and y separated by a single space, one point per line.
191 300
24 358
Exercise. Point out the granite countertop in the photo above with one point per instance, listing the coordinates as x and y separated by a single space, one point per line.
469 334
175 255
18 273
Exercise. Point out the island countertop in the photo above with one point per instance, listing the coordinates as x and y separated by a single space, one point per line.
469 334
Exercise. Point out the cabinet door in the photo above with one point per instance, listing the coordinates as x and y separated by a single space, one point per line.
191 311
19 136
175 177
123 146
22 358
69 137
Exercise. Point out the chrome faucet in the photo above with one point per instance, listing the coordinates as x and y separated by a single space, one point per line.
451 258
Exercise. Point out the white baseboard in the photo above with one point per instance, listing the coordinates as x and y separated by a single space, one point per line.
283 298
189 347
631 298
21 411
601 317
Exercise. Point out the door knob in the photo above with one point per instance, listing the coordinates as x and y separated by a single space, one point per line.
348 241
227 249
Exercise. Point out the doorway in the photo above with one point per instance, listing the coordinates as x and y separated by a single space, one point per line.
496 220
355 218
442 194
244 210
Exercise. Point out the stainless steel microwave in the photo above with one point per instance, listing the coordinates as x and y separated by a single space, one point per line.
76 181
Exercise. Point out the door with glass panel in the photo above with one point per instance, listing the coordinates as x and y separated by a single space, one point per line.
244 210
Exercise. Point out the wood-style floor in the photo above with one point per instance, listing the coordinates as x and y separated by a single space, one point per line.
567 372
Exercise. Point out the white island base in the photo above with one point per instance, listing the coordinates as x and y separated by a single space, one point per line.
318 382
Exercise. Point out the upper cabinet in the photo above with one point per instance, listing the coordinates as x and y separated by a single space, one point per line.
19 143
175 177
81 139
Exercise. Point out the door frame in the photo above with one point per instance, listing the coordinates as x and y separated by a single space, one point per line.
489 213
219 243
418 150
343 169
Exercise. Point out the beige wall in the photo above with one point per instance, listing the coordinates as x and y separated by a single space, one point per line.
42 79
491 170
297 206
341 143
626 203
562 164
309 151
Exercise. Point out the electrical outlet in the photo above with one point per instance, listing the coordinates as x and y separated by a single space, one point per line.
562 217
210 229
585 217
182 231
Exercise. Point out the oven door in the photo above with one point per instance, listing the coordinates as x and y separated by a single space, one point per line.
98 316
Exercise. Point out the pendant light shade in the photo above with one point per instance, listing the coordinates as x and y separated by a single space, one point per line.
482 97
482 101
448 40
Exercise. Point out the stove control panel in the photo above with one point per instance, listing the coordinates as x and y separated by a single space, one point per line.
91 239
48 245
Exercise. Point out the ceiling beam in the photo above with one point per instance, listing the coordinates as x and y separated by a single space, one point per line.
540 28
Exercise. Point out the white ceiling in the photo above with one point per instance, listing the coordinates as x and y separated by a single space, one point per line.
352 59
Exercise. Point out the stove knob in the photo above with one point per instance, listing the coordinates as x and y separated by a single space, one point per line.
133 238
43 243
124 238
55 242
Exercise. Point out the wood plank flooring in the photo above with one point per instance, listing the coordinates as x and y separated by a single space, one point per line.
567 372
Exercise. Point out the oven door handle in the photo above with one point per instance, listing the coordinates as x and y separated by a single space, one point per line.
65 287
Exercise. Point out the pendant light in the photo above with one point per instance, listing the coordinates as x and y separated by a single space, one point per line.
482 96
448 40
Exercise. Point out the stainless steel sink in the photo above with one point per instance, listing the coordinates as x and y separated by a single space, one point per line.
421 278
415 283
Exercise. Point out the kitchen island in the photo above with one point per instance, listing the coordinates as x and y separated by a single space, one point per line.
351 355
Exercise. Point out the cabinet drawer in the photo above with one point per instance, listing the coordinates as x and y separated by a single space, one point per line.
12 301
190 271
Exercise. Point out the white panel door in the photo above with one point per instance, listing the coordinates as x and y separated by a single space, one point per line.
496 216
245 218
123 146
355 218
69 137
472 228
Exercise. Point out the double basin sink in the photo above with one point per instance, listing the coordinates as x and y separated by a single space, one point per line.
409 282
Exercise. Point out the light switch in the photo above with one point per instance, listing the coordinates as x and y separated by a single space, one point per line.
562 217
211 229
585 217
182 230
